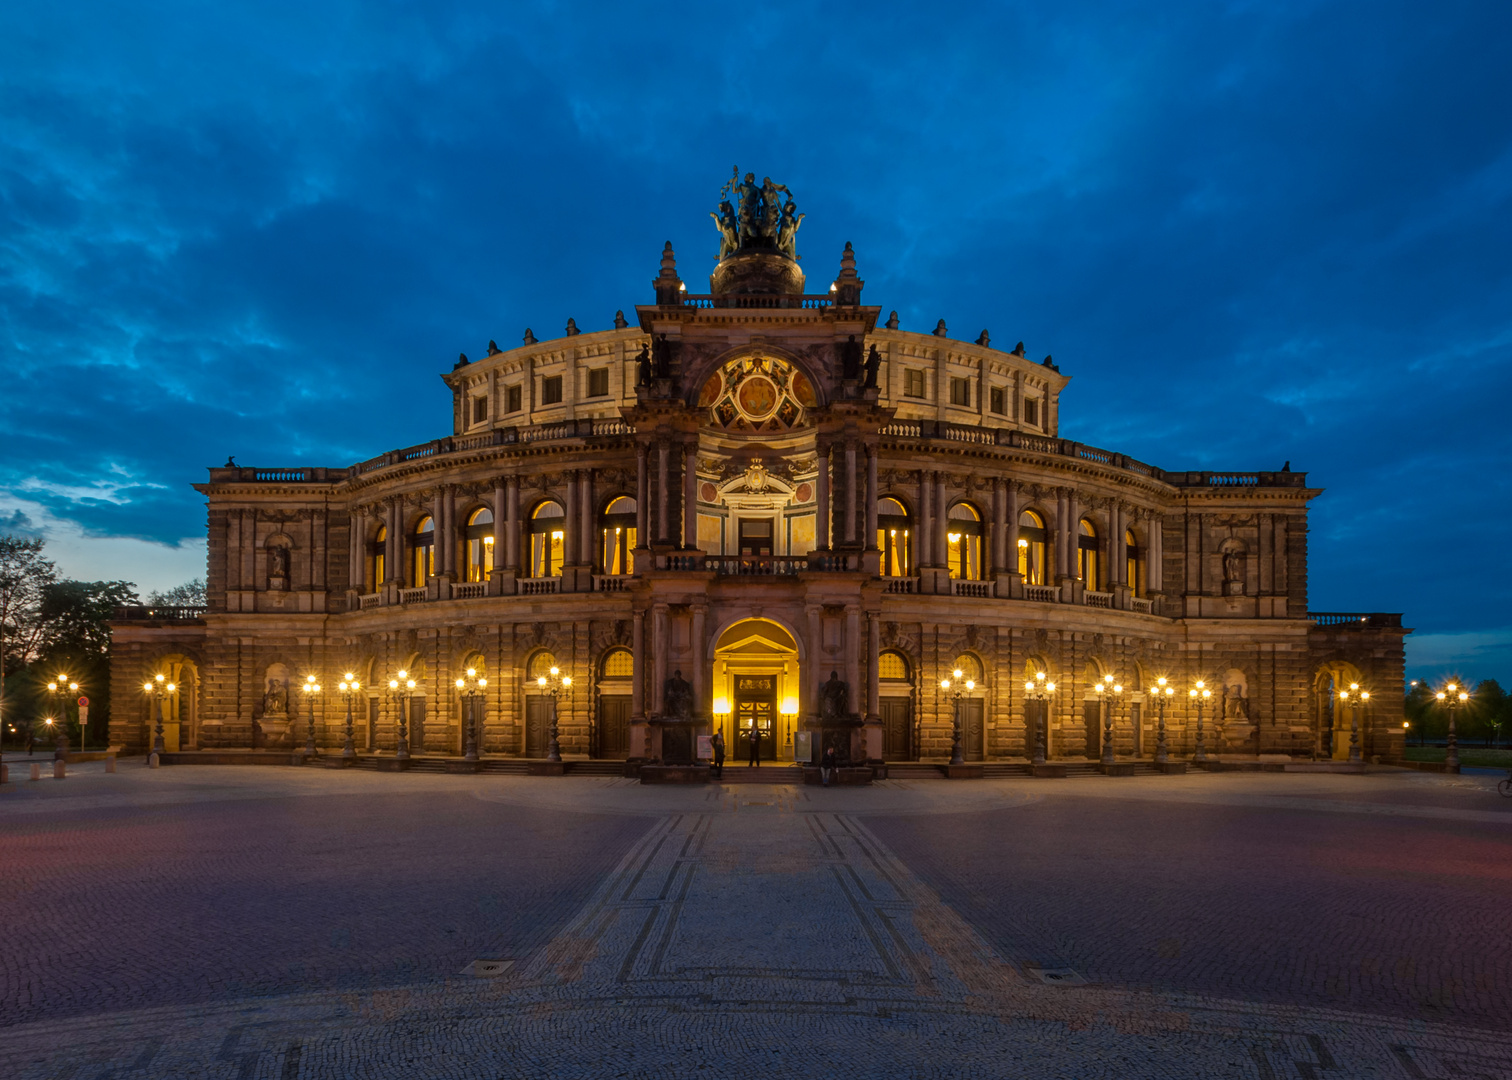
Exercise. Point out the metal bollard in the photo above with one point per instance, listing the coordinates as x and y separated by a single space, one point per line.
152 761
110 763
59 768
36 771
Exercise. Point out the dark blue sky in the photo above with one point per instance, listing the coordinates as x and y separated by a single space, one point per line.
1252 232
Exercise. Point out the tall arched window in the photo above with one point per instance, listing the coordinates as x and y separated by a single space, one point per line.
892 666
619 664
1031 548
963 538
1086 556
894 538
969 667
540 664
618 536
547 537
1132 573
377 555
480 542
422 552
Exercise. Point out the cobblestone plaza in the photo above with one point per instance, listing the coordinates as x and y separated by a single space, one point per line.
283 922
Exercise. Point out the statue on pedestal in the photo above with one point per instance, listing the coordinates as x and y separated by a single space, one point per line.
276 699
677 697
834 698
873 364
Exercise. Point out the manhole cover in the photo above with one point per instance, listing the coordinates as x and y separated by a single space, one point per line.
488 969
1059 977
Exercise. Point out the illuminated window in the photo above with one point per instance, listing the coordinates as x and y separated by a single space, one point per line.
1087 556
963 541
619 664
540 664
892 666
377 553
969 667
894 538
480 542
548 534
1031 548
422 552
1131 569
618 536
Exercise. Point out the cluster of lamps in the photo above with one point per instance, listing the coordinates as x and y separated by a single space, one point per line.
956 687
59 690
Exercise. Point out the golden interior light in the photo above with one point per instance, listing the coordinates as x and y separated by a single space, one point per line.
1023 543
488 539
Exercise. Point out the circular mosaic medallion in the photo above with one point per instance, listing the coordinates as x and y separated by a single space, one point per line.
758 397
805 493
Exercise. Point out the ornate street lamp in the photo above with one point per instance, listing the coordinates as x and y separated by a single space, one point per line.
402 686
58 691
1359 698
158 689
554 683
1163 693
349 687
311 691
472 689
1452 697
1108 694
1037 689
956 690
1199 695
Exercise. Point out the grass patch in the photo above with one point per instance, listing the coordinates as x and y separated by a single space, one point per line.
1468 755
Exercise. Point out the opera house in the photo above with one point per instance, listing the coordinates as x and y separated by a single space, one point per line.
757 505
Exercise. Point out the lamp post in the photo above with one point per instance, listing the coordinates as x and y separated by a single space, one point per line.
956 688
1108 692
1452 697
1199 695
1359 698
554 683
311 690
349 687
158 689
471 688
57 691
1038 690
1163 693
402 686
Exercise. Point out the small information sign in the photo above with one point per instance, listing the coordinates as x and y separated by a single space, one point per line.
705 747
803 747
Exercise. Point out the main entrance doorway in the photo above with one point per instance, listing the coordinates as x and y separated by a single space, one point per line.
755 709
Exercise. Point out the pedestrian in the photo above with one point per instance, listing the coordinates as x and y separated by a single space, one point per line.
755 741
717 743
827 765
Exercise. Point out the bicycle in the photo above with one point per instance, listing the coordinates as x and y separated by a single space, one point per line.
1505 786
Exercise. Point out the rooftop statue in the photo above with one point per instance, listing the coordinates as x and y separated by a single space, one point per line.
753 217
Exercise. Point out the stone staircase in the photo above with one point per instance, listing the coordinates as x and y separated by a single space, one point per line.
764 774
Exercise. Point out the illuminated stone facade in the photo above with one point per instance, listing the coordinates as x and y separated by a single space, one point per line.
749 490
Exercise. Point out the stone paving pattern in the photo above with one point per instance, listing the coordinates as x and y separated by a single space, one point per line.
1224 926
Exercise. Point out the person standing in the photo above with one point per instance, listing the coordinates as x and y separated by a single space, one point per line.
755 742
719 751
827 765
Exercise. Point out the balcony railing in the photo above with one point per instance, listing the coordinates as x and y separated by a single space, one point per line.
369 600
981 590
1355 618
468 590
757 565
412 596
612 582
540 586
898 584
168 613
1097 599
1044 594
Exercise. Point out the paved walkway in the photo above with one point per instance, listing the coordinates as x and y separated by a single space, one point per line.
756 931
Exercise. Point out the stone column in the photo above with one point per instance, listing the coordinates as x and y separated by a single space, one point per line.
822 500
642 498
700 680
585 503
873 672
853 656
659 644
942 523
1062 517
500 509
570 525
1118 550
395 543
355 574
999 527
638 665
924 529
438 511
690 494
1155 571
1011 533
850 491
512 523
871 498
815 654
663 468
454 531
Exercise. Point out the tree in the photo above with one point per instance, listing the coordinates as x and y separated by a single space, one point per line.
1490 706
189 594
24 579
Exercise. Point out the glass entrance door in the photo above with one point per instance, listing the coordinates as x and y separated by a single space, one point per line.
755 709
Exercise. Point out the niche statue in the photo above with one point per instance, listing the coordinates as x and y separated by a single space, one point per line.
677 697
834 698
276 700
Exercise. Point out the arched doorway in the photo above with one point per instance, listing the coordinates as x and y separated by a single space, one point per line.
538 706
973 705
616 673
1331 722
755 688
895 704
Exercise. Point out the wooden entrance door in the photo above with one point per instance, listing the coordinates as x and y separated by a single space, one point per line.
755 707
897 729
1092 720
537 725
614 726
972 712
417 725
372 725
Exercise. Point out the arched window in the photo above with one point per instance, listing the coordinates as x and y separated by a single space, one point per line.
377 554
619 664
618 536
547 535
480 542
540 664
1132 575
969 667
422 552
963 538
892 666
894 538
1031 548
1086 556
